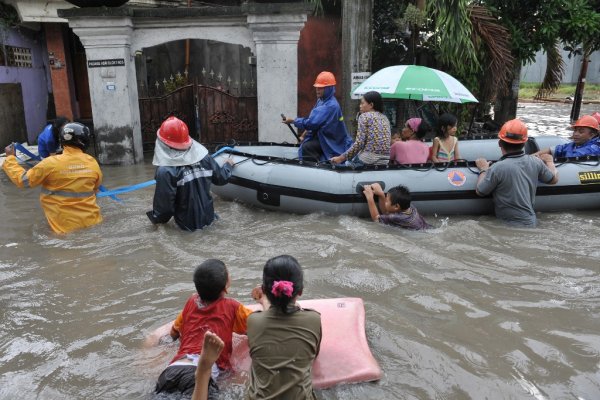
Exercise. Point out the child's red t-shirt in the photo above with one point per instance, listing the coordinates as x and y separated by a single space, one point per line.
223 317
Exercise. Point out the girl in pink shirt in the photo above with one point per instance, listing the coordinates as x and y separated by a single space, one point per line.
412 150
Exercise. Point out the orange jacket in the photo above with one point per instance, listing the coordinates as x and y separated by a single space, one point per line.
69 185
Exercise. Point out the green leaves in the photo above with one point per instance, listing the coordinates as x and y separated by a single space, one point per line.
452 34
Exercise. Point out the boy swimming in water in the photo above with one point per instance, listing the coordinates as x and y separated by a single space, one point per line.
208 309
395 207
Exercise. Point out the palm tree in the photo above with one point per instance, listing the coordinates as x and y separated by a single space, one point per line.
472 43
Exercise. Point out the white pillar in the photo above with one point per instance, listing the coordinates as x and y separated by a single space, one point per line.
276 37
113 87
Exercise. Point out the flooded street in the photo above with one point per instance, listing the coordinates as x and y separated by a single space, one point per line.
469 310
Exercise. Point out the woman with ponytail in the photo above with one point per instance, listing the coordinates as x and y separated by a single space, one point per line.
284 339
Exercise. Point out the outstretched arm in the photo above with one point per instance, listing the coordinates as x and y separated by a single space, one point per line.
543 151
260 298
378 191
370 195
549 161
483 165
211 349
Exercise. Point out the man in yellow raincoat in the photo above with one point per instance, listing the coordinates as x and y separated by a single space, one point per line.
69 181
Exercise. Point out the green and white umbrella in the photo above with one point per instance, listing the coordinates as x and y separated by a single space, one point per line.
416 82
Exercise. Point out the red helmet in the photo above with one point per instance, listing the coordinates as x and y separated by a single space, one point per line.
513 131
597 116
174 133
587 121
325 78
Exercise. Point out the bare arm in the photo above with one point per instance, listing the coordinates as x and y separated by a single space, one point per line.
211 349
483 165
543 151
549 161
434 150
378 191
260 298
370 196
456 152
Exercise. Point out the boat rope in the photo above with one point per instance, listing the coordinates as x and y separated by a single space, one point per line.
126 189
587 161
142 185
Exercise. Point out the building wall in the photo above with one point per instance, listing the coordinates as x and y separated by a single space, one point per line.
319 49
34 81
534 72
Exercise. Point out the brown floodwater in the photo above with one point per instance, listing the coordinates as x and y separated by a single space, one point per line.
469 310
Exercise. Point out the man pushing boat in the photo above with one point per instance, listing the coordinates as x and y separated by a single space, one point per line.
512 181
184 174
325 133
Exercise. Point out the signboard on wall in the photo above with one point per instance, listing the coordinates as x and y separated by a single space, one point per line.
357 79
113 62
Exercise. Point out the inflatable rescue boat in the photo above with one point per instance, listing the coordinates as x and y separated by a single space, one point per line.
271 176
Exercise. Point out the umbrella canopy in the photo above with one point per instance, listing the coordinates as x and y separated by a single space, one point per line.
416 82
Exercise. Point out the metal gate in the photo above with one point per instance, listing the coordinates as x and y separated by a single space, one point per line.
211 114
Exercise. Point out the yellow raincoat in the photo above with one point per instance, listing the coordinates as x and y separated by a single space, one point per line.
69 185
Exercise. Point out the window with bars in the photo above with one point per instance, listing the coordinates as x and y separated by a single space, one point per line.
16 57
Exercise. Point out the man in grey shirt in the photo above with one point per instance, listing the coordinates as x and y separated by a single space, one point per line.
513 180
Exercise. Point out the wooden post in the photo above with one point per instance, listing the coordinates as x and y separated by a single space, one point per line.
357 43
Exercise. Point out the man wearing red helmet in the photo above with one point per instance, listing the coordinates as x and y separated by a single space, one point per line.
585 140
325 135
513 180
183 177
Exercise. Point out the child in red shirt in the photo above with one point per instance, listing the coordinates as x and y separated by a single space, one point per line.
208 309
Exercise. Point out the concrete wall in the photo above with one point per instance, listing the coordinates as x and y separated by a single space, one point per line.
535 72
34 81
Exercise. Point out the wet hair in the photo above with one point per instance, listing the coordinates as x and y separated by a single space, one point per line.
282 268
422 130
374 98
210 279
444 121
400 195
57 123
511 147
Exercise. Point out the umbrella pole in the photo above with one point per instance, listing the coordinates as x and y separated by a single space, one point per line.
473 119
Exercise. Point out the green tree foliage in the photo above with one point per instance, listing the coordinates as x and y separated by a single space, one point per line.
453 35
538 24
390 40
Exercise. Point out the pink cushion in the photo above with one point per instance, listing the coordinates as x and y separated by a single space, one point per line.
345 356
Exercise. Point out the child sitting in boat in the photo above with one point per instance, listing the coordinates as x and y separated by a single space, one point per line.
208 309
445 144
284 339
395 206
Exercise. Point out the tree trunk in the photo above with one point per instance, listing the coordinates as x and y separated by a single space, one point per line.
357 44
505 108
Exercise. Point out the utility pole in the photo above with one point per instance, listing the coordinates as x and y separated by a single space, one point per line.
579 88
357 44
